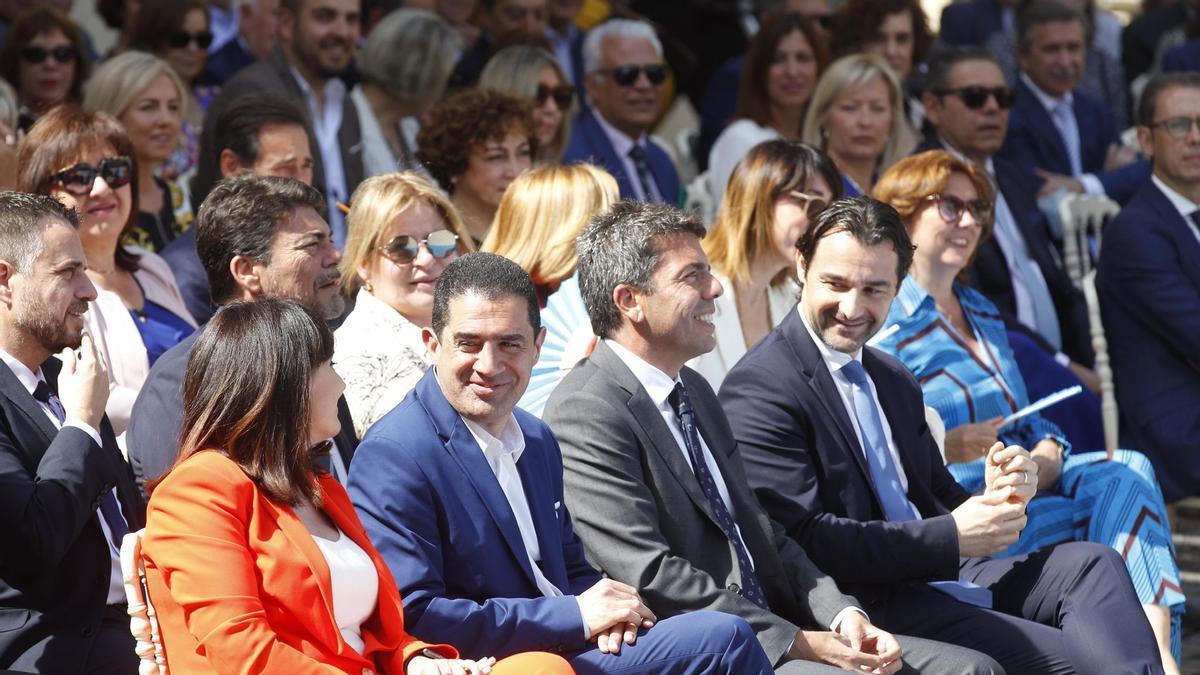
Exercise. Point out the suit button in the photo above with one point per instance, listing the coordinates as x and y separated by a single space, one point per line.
734 587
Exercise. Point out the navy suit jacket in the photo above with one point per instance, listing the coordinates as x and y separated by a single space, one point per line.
226 62
589 144
970 23
1184 57
1148 280
1034 142
808 471
190 276
435 511
55 566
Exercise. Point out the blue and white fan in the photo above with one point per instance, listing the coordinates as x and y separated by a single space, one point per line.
569 339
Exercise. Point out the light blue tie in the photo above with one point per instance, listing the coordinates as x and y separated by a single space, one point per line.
1045 315
896 505
1064 119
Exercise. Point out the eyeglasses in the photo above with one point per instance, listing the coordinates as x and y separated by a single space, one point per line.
35 54
976 97
404 249
79 179
627 76
180 39
563 95
951 209
813 204
1177 127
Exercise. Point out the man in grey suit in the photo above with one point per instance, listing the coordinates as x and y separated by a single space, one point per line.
652 474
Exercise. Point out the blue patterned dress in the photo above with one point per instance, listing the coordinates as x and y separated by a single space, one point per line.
1110 500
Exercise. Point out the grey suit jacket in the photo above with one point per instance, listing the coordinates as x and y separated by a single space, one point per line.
644 521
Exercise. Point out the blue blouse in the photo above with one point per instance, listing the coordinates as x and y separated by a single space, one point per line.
160 329
849 187
963 386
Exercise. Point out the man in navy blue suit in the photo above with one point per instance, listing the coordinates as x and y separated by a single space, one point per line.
1148 280
1064 137
462 493
974 21
624 78
257 34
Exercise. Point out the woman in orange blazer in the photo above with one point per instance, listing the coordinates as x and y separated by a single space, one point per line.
255 559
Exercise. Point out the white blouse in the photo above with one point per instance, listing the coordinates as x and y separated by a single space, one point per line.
355 586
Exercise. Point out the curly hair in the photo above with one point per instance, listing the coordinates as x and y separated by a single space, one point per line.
463 123
857 25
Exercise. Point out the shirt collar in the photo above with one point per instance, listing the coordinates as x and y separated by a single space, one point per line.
954 152
1185 206
911 296
621 143
28 378
511 441
334 88
1048 102
834 360
657 384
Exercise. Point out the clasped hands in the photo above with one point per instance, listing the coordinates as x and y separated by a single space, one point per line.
991 522
613 613
857 645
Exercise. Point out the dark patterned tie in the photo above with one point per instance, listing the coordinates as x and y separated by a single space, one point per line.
117 526
638 154
751 590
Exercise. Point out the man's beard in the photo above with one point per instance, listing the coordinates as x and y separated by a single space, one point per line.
49 332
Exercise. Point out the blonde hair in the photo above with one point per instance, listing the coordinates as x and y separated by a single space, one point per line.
514 71
852 72
122 78
373 206
542 213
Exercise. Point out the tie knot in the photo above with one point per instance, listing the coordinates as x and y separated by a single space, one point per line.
679 400
855 373
637 153
42 392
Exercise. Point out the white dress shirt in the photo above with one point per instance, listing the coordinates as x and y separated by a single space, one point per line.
622 144
326 122
30 380
1091 184
1183 205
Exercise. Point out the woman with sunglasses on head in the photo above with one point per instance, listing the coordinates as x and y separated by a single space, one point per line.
401 234
533 74
85 160
783 64
177 31
256 561
956 345
405 63
777 189
146 96
43 57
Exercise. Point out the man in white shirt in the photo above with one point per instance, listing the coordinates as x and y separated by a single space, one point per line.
461 492
66 495
654 478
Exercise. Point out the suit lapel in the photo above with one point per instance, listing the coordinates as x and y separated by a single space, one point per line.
606 154
303 541
535 481
345 440
1042 125
15 391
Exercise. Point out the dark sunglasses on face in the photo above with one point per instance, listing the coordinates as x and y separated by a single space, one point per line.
1177 127
627 76
813 205
976 97
180 39
563 94
404 249
79 179
35 54
951 209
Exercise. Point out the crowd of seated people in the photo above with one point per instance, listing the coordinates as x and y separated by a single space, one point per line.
375 336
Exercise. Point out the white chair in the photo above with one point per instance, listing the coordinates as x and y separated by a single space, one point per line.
1083 218
1108 396
142 620
698 198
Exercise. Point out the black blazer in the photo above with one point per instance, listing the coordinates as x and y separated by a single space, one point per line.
152 439
55 566
804 462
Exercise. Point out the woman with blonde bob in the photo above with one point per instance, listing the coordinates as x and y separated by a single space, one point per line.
856 116
774 193
542 213
401 233
150 100
533 74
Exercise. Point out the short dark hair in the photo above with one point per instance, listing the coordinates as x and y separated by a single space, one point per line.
28 25
944 59
23 217
624 245
869 221
246 394
1148 104
486 274
240 218
237 128
1042 12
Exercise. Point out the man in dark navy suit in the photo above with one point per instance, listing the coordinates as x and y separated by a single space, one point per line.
66 495
1148 280
258 32
624 80
973 22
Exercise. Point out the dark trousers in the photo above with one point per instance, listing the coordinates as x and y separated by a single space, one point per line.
112 653
1069 608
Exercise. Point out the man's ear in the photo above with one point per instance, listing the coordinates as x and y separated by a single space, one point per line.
246 274
933 108
230 164
629 303
6 274
431 341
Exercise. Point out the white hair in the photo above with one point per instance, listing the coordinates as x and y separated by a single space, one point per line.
625 29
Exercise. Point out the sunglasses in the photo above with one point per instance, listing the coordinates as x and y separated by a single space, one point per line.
563 95
976 97
35 54
627 76
404 249
1177 127
180 39
813 205
951 209
79 179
